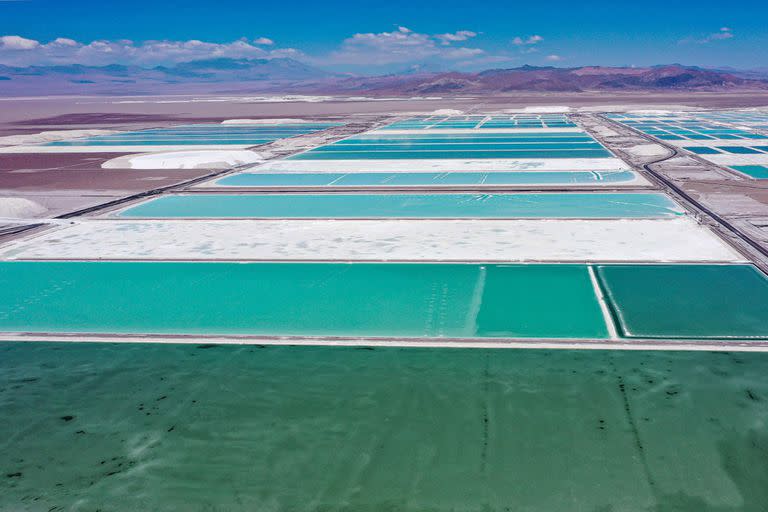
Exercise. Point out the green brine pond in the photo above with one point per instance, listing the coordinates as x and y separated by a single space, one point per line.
127 427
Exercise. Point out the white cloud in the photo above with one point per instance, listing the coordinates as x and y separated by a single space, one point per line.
401 46
463 53
375 52
149 53
292 53
530 40
553 58
461 35
17 43
63 41
723 34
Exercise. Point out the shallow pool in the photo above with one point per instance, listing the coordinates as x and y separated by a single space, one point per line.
301 299
439 154
688 301
520 205
758 172
201 134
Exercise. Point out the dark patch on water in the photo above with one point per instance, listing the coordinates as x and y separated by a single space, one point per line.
27 380
67 418
633 427
208 345
17 474
752 396
486 388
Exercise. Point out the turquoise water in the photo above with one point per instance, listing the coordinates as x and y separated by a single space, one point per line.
703 150
472 122
409 146
163 142
738 150
474 140
301 299
688 301
475 137
215 428
203 134
404 179
382 300
459 154
554 205
759 172
690 129
480 145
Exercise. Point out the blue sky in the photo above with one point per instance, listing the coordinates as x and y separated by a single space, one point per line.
388 35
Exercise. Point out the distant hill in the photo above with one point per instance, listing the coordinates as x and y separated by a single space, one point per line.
287 75
117 79
530 78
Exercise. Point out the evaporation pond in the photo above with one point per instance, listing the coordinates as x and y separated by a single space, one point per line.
313 299
200 428
688 301
426 179
556 205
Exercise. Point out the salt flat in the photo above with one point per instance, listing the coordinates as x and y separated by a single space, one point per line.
667 240
408 165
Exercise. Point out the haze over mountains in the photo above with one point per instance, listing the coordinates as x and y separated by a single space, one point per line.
286 75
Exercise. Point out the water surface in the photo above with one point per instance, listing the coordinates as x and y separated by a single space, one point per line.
204 428
532 205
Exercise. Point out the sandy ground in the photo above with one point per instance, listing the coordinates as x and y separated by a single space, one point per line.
67 182
42 109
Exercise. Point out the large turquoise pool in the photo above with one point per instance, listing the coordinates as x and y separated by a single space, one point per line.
520 205
426 179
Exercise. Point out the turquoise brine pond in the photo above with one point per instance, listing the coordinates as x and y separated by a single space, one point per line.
688 301
200 134
552 205
247 428
301 299
758 172
440 154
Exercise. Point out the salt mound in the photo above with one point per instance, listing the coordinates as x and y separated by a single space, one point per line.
651 112
20 208
448 112
264 121
648 150
547 109
202 159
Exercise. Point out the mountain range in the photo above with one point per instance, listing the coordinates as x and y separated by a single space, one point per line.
285 75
